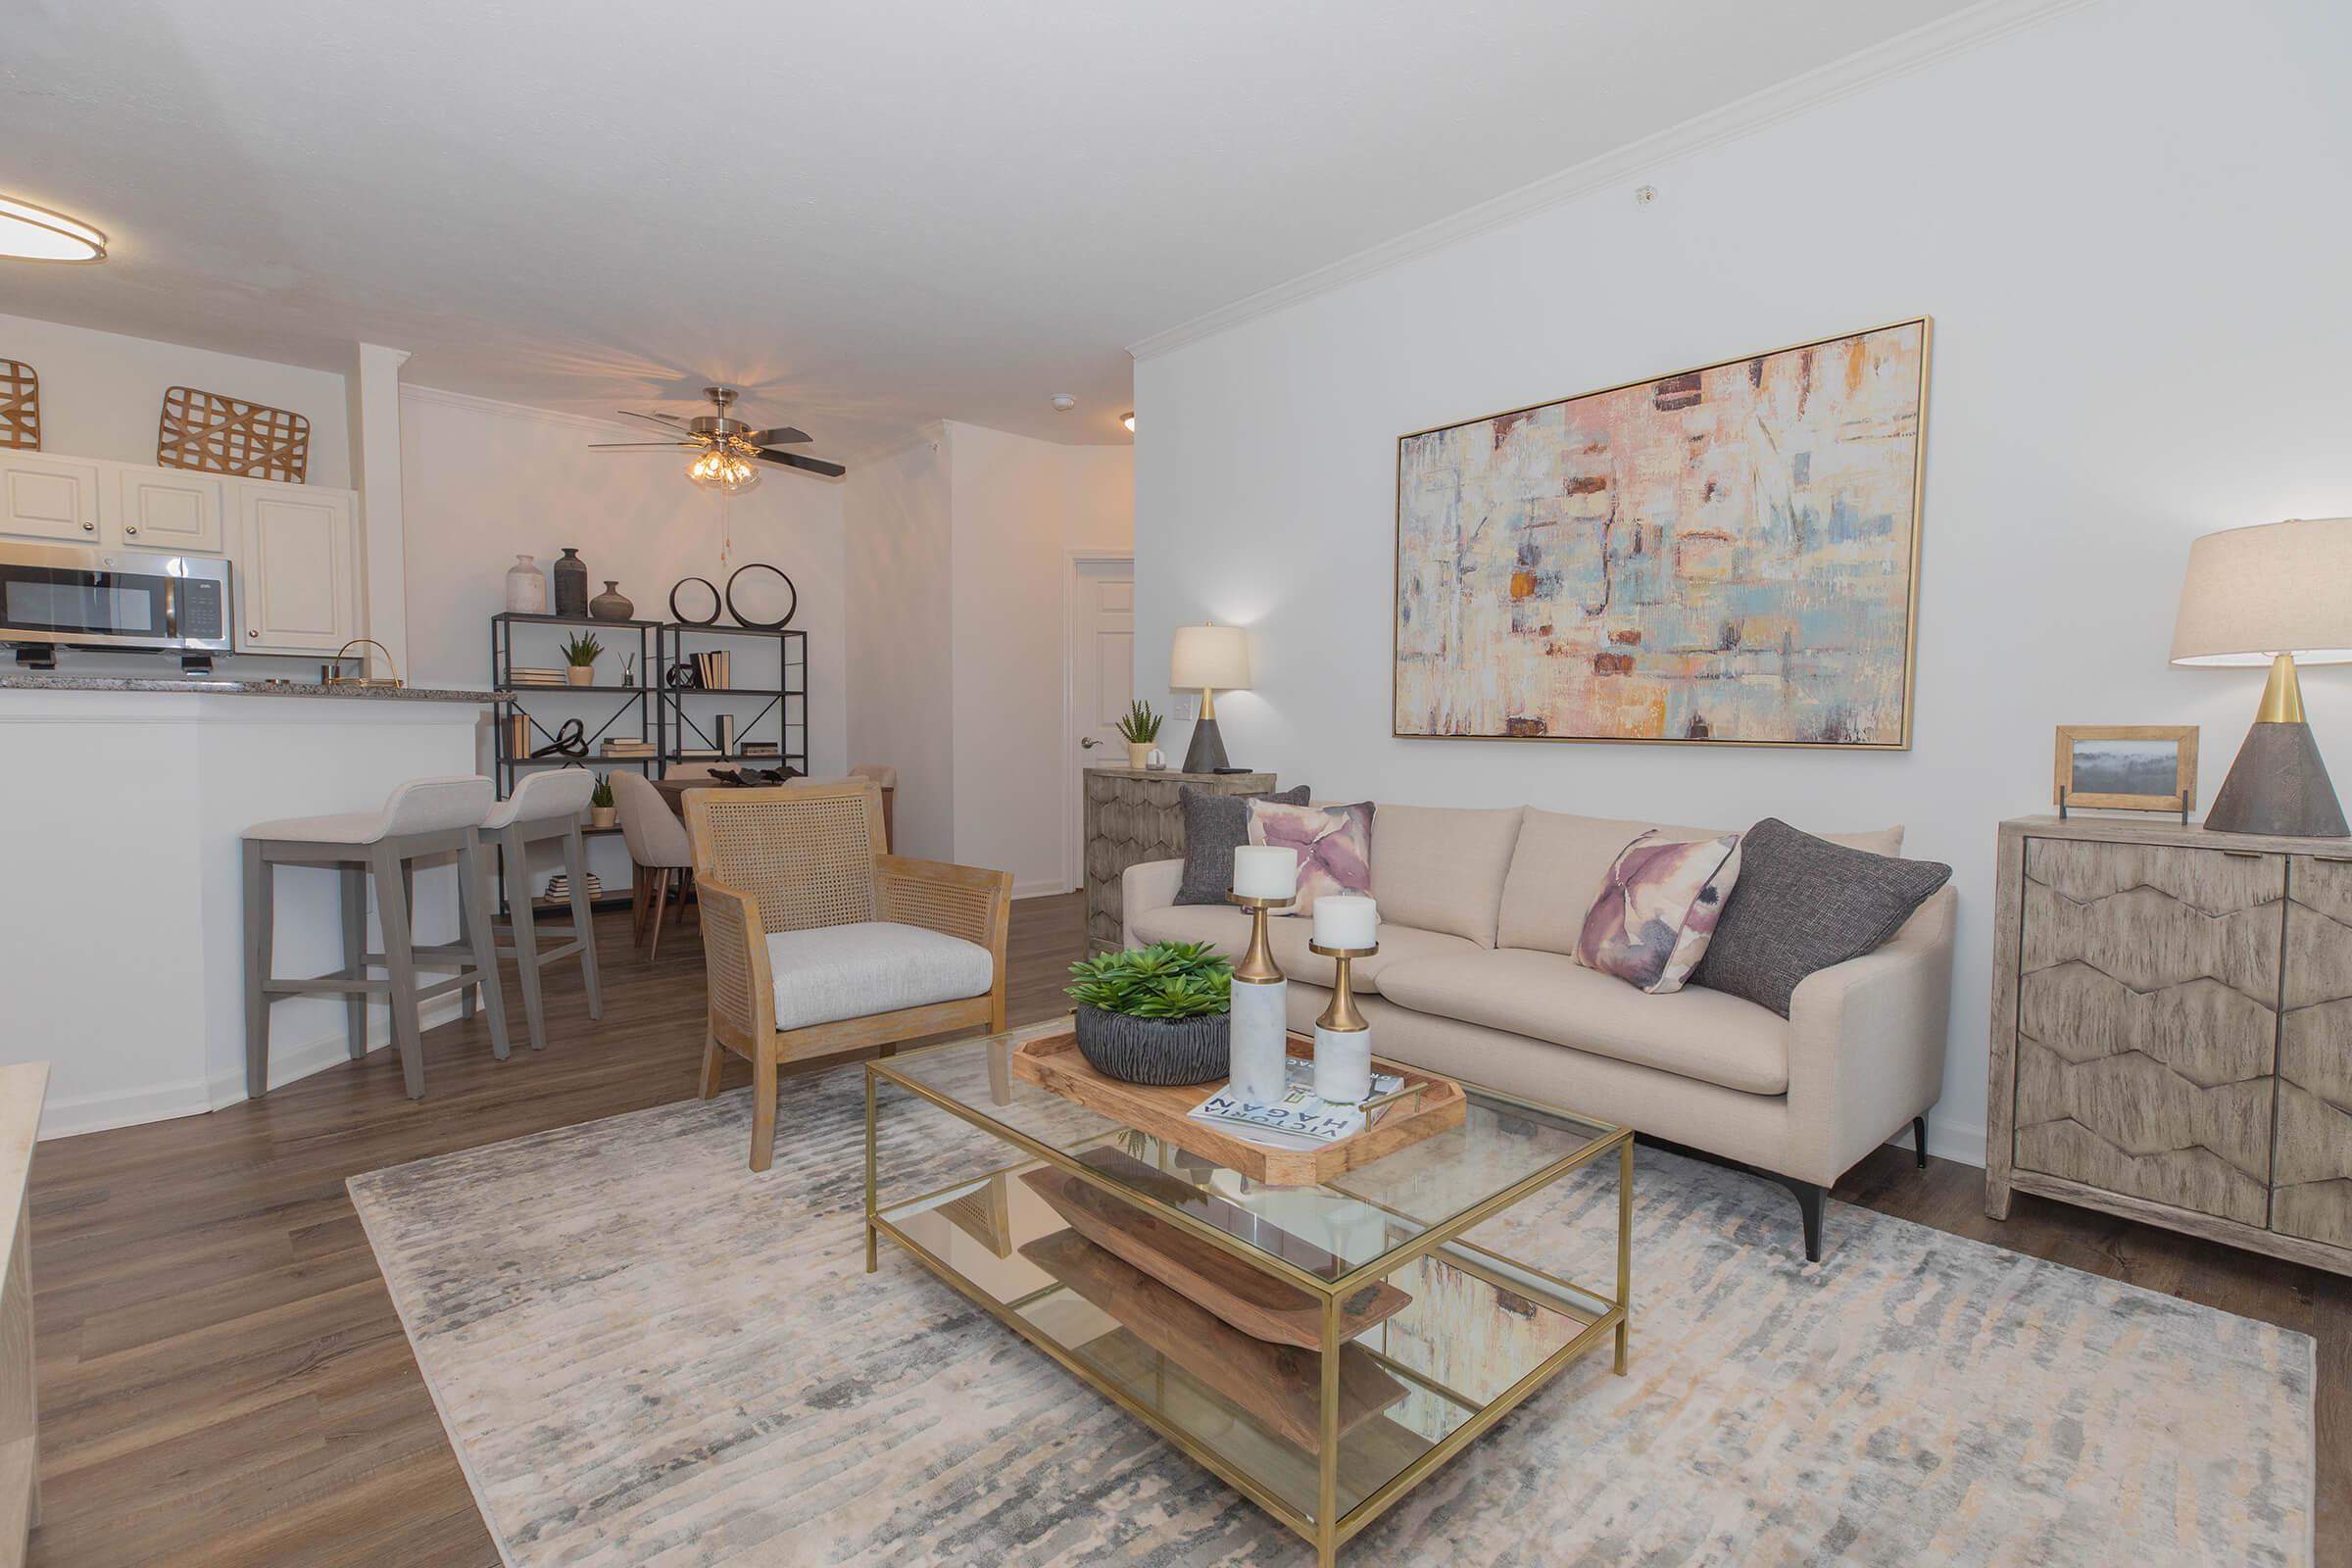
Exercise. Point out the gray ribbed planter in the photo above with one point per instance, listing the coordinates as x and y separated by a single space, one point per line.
1156 1050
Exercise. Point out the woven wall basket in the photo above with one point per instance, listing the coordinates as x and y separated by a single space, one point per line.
1156 1050
215 434
19 407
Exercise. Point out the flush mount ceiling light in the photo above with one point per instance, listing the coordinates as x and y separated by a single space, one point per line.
1128 420
32 233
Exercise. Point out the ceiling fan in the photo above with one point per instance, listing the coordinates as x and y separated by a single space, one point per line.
726 447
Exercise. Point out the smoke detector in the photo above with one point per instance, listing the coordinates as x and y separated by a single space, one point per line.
1063 402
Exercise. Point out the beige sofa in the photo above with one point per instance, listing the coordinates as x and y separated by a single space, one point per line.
1475 977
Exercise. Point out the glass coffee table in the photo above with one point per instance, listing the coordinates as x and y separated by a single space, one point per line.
1330 1345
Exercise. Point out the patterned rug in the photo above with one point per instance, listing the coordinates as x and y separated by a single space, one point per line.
645 1354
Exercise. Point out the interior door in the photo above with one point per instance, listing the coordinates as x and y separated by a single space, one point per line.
1101 644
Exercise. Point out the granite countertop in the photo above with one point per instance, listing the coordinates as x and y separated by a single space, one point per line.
27 681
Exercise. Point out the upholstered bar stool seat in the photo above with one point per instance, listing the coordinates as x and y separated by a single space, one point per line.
546 809
429 817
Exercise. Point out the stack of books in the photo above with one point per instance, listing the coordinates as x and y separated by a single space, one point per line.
700 754
617 745
527 675
760 748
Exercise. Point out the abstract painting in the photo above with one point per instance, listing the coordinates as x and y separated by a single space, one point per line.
1723 554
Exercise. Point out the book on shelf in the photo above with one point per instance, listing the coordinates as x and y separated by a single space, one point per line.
1301 1118
760 748
700 754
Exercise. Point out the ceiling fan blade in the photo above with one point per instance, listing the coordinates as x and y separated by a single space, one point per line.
595 445
668 422
792 460
783 435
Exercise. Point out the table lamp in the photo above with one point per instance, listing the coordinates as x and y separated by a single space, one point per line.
2271 595
1212 658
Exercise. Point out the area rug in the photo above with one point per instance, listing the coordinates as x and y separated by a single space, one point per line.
645 1354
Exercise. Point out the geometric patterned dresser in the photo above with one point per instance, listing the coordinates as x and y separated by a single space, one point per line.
2171 1031
1132 815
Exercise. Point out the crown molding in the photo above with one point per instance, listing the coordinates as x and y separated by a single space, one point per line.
1743 116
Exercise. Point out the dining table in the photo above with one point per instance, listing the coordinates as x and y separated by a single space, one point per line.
673 791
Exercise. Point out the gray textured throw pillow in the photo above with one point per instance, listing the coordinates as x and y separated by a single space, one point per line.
1803 903
1214 826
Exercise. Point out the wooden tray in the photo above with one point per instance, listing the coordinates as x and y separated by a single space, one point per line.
1257 1302
1277 1386
1053 1062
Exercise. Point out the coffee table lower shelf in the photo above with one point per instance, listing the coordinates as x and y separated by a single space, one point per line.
1255 1413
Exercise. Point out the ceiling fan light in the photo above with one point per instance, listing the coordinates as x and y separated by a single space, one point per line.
36 234
717 469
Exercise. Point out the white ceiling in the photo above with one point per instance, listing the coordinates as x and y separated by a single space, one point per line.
868 214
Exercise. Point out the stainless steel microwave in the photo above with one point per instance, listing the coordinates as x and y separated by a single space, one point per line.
114 598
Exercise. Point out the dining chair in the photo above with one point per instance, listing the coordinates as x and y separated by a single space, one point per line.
658 850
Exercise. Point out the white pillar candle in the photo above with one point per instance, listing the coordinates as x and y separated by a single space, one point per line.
1265 871
1259 1036
1343 1062
1346 920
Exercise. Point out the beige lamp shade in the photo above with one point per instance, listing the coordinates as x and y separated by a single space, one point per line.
1216 658
2281 588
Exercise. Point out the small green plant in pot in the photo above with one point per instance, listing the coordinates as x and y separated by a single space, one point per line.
1140 728
581 651
600 802
1156 1015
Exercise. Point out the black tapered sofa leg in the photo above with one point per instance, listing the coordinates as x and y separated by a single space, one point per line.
1919 1139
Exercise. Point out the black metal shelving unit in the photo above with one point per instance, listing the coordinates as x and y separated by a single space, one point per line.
685 716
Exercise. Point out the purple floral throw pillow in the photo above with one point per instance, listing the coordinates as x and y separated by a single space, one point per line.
1657 910
1334 845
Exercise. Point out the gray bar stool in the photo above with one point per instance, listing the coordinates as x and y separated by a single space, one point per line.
424 816
546 809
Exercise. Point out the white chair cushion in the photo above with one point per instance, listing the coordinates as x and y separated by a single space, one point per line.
553 793
833 972
420 805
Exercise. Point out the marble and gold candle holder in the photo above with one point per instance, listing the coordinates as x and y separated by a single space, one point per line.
1261 1029
1343 1035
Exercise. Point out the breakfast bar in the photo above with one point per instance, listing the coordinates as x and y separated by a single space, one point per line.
123 798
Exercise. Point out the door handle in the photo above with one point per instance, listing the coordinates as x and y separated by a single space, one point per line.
128 528
1089 741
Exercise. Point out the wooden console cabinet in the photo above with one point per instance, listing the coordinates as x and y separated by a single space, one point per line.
2171 1031
1132 815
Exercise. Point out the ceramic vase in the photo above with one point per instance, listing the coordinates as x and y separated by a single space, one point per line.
603 815
572 584
612 604
580 674
526 587
1138 755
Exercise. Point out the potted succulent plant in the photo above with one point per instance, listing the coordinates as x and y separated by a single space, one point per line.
601 811
1139 728
1156 1014
581 651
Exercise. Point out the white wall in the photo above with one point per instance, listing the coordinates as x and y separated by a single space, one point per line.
1021 506
2130 224
483 483
900 680
102 394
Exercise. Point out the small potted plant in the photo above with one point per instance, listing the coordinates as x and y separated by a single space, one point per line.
580 654
601 810
1140 728
1156 1015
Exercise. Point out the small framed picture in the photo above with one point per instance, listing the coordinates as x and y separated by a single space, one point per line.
2128 767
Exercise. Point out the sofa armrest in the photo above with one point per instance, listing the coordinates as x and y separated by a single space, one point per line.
1146 885
741 987
1866 1042
957 900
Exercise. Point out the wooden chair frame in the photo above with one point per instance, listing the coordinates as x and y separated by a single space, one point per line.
813 871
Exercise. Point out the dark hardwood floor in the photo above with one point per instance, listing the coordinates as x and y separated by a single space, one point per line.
223 1379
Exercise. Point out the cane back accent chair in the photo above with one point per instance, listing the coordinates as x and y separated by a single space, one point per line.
818 941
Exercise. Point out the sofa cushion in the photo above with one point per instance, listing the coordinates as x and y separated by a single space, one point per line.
1214 826
1441 868
827 973
1560 860
1334 845
1692 1033
1228 930
1804 904
1657 910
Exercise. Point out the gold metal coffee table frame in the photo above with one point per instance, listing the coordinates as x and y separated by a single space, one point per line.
1325 1523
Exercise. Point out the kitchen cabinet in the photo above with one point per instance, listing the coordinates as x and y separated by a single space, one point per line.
44 497
163 508
297 557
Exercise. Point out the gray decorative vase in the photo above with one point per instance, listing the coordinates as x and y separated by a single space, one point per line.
572 583
1156 1050
612 604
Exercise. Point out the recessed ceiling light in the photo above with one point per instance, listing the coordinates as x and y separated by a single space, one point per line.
1063 402
1128 420
36 234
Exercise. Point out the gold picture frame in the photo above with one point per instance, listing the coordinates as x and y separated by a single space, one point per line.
2125 754
1909 525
